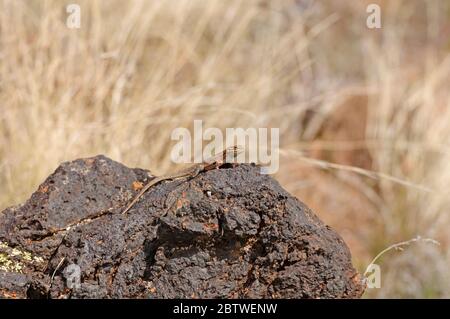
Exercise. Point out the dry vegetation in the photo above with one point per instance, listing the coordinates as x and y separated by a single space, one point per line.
363 114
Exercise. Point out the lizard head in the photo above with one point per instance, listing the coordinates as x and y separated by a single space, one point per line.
232 152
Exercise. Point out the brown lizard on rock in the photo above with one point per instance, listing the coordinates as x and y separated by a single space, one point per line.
227 156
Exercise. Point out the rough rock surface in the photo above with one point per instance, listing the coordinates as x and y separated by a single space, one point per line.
227 233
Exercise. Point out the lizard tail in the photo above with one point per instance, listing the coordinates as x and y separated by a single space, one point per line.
135 199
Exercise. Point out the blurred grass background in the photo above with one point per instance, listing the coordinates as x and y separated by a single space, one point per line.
363 113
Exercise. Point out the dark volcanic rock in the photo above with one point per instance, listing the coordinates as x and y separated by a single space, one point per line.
227 233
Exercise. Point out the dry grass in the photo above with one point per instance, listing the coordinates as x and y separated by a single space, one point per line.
136 70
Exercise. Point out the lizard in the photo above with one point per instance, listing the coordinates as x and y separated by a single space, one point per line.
227 155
